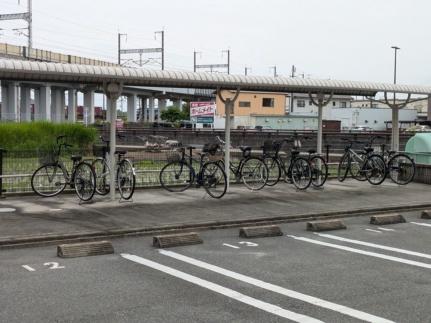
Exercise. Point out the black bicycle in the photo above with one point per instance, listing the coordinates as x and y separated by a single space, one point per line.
179 174
295 169
362 165
52 177
125 172
251 170
400 167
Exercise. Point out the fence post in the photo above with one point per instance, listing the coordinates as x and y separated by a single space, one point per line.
327 152
1 171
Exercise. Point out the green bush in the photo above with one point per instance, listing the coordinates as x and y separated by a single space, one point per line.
42 135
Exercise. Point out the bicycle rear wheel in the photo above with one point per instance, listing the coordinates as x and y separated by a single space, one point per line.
375 169
214 180
301 173
274 171
343 167
401 169
254 173
49 180
126 179
101 169
177 176
319 171
85 181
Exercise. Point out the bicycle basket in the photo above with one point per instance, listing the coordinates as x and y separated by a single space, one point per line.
210 148
48 157
173 155
99 151
217 156
271 147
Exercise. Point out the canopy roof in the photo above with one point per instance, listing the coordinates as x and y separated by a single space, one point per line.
85 74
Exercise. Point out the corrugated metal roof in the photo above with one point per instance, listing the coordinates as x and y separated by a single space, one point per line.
72 73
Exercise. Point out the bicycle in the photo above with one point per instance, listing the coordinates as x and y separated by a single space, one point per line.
179 174
251 170
298 171
125 172
52 177
363 166
400 167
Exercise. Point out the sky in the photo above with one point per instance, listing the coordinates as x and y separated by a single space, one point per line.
331 39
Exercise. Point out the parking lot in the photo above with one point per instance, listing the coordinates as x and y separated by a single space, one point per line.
365 273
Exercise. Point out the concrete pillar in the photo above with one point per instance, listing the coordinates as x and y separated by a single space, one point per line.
144 108
12 102
395 130
132 101
178 103
57 105
71 105
4 104
89 106
62 106
43 111
162 105
151 107
429 108
25 108
36 104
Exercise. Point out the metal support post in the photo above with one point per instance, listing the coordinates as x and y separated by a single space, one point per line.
429 108
228 106
395 129
2 151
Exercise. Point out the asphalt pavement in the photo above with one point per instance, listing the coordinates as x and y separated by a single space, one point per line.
32 219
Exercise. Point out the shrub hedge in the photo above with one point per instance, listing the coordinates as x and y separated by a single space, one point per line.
42 135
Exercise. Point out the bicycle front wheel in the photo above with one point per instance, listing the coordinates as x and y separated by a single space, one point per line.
126 179
401 169
176 176
274 170
301 173
85 181
343 167
49 180
375 169
319 171
214 180
254 173
101 169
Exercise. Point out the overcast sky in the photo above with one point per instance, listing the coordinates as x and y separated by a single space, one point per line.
337 39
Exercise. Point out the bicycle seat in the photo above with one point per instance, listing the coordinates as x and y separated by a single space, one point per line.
245 148
120 152
392 152
295 152
312 151
368 150
76 158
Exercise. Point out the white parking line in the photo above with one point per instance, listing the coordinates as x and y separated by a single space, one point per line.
230 246
28 268
377 231
385 229
363 252
270 308
278 289
421 224
377 246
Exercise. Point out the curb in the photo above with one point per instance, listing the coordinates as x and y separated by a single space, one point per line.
50 239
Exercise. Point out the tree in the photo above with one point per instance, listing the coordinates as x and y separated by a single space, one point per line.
173 114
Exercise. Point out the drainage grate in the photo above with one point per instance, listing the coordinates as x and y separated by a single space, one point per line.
260 231
175 240
387 219
325 225
85 249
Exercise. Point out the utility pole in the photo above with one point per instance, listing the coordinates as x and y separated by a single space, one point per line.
212 66
395 48
293 71
27 16
246 69
274 68
142 51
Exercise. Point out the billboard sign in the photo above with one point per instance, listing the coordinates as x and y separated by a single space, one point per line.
202 109
205 119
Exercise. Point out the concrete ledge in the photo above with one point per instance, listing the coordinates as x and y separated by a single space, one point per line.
260 231
325 225
175 240
387 219
85 249
426 215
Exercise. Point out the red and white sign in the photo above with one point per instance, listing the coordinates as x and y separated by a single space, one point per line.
202 109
